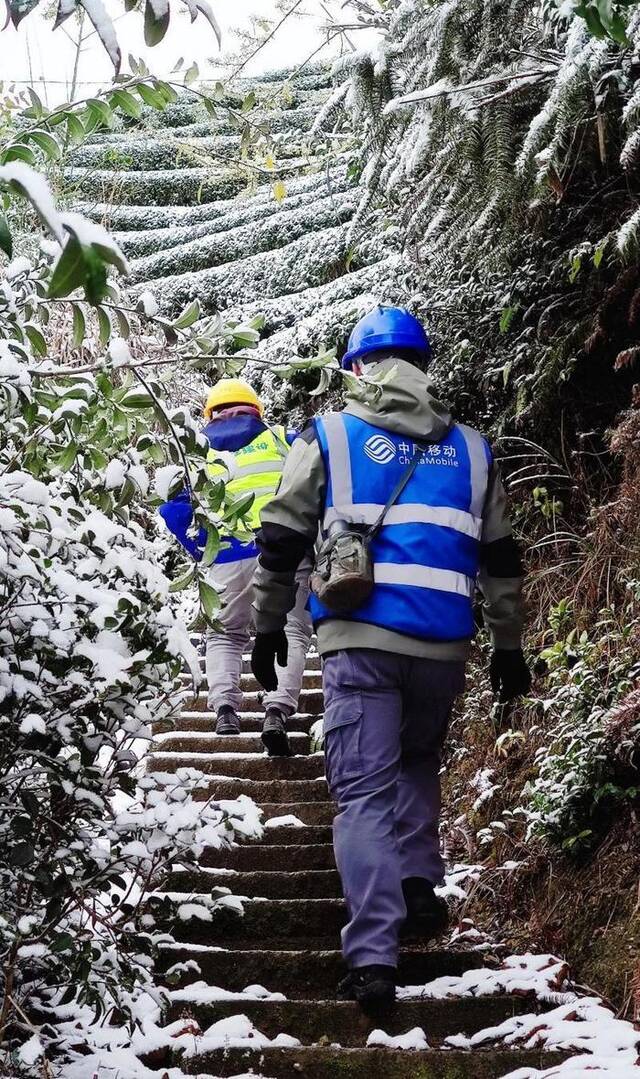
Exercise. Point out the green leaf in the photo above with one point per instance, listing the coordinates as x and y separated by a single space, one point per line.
75 130
576 263
245 337
63 942
137 399
150 96
212 546
187 318
209 599
104 326
36 339
6 242
592 19
78 266
69 271
104 384
95 276
249 101
58 117
323 383
46 142
127 493
157 454
183 582
18 152
100 109
507 317
155 28
36 103
166 90
99 460
191 74
126 102
598 255
616 28
66 459
79 325
123 322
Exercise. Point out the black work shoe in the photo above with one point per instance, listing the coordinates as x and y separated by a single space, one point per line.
274 733
228 721
427 913
374 988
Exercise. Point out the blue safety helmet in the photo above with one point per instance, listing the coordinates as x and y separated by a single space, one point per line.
386 327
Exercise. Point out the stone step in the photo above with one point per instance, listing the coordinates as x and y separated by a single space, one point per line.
305 974
288 835
276 921
263 884
312 662
250 722
329 1062
205 742
312 679
311 701
345 1023
282 796
258 857
246 766
320 813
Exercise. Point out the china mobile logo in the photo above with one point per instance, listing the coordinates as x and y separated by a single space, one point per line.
380 449
435 454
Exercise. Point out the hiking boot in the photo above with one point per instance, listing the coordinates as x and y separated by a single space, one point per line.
374 988
427 913
228 721
274 733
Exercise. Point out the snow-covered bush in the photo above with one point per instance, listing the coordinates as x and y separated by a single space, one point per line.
90 643
309 261
138 241
161 187
581 775
223 246
140 151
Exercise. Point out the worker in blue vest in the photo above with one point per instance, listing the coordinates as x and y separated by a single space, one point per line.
393 663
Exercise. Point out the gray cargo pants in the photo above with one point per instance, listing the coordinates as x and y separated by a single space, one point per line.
234 582
385 720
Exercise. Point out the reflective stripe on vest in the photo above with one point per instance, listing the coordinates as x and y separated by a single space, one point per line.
253 469
426 555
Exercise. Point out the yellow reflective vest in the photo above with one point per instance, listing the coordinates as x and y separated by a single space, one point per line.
254 469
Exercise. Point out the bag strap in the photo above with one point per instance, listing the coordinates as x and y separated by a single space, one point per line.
372 532
282 445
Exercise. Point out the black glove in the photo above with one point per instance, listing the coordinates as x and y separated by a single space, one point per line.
266 648
510 676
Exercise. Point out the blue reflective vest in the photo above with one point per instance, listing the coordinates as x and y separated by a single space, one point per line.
426 555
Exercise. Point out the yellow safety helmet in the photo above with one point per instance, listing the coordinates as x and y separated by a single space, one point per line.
231 391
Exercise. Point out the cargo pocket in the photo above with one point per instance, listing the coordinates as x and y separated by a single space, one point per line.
342 729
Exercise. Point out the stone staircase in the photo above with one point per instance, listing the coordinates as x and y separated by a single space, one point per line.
288 939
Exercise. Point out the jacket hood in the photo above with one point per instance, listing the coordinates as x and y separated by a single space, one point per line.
406 405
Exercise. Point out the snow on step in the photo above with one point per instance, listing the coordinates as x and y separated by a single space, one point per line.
248 766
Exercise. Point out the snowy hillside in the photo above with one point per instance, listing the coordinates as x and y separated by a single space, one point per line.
196 220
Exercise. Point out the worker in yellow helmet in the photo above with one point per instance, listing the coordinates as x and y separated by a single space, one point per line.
249 455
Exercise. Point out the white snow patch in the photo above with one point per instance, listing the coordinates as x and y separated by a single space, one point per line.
413 1039
287 821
